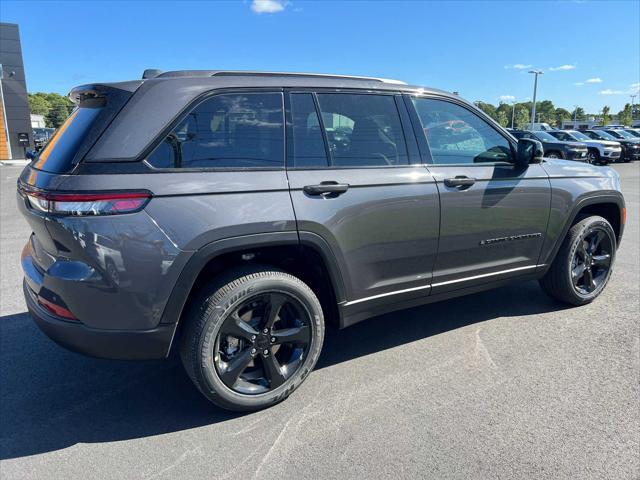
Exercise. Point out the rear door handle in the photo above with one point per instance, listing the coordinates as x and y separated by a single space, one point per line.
326 188
459 181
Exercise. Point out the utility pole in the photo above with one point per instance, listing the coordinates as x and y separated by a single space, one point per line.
535 90
633 97
575 117
513 113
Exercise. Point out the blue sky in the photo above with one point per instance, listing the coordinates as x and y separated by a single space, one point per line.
589 50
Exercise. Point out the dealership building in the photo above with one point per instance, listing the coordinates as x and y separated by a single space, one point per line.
15 122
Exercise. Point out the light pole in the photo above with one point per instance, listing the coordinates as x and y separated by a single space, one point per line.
513 113
535 90
633 97
575 117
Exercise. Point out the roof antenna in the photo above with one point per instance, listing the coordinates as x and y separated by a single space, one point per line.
151 73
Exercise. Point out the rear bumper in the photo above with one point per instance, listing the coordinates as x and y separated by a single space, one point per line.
114 344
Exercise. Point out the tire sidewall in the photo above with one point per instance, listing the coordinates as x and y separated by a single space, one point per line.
205 366
586 227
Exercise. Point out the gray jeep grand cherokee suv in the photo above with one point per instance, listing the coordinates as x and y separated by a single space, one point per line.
230 214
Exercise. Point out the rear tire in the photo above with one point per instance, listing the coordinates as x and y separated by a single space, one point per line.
584 263
234 370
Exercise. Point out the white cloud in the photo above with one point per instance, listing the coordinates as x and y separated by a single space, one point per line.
634 89
579 84
268 6
594 80
608 91
506 98
517 66
562 68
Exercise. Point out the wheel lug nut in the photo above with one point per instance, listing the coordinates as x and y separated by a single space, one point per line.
266 330
265 352
273 339
253 337
253 351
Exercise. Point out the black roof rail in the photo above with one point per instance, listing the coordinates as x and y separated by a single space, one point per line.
230 73
244 73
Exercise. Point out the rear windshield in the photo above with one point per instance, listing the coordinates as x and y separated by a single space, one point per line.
59 153
98 105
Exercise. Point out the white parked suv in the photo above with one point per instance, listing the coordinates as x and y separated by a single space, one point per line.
598 149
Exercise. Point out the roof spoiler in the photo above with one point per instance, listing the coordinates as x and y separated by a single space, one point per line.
97 92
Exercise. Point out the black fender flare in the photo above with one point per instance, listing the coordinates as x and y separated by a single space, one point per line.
582 202
206 253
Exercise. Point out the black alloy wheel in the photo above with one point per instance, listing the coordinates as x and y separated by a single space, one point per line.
583 265
262 343
591 261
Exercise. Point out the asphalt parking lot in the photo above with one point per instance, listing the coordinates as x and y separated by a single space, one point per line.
501 384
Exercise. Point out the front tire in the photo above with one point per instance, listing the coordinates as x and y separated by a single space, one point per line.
252 338
593 157
584 263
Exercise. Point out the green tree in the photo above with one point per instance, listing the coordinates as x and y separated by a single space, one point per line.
523 115
625 116
579 114
502 118
55 107
606 117
38 104
546 111
488 109
56 116
560 115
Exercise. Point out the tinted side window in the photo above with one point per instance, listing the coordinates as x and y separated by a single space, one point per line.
456 135
227 131
561 136
363 130
308 145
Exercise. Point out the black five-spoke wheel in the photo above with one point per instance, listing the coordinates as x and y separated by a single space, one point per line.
591 261
262 342
583 265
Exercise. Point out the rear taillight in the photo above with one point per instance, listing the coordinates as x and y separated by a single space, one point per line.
111 203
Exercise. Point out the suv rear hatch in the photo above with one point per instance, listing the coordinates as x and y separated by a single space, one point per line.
60 218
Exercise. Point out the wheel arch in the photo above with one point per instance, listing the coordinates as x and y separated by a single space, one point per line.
610 206
310 259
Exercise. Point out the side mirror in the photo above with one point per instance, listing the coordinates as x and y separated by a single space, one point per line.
529 151
30 154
